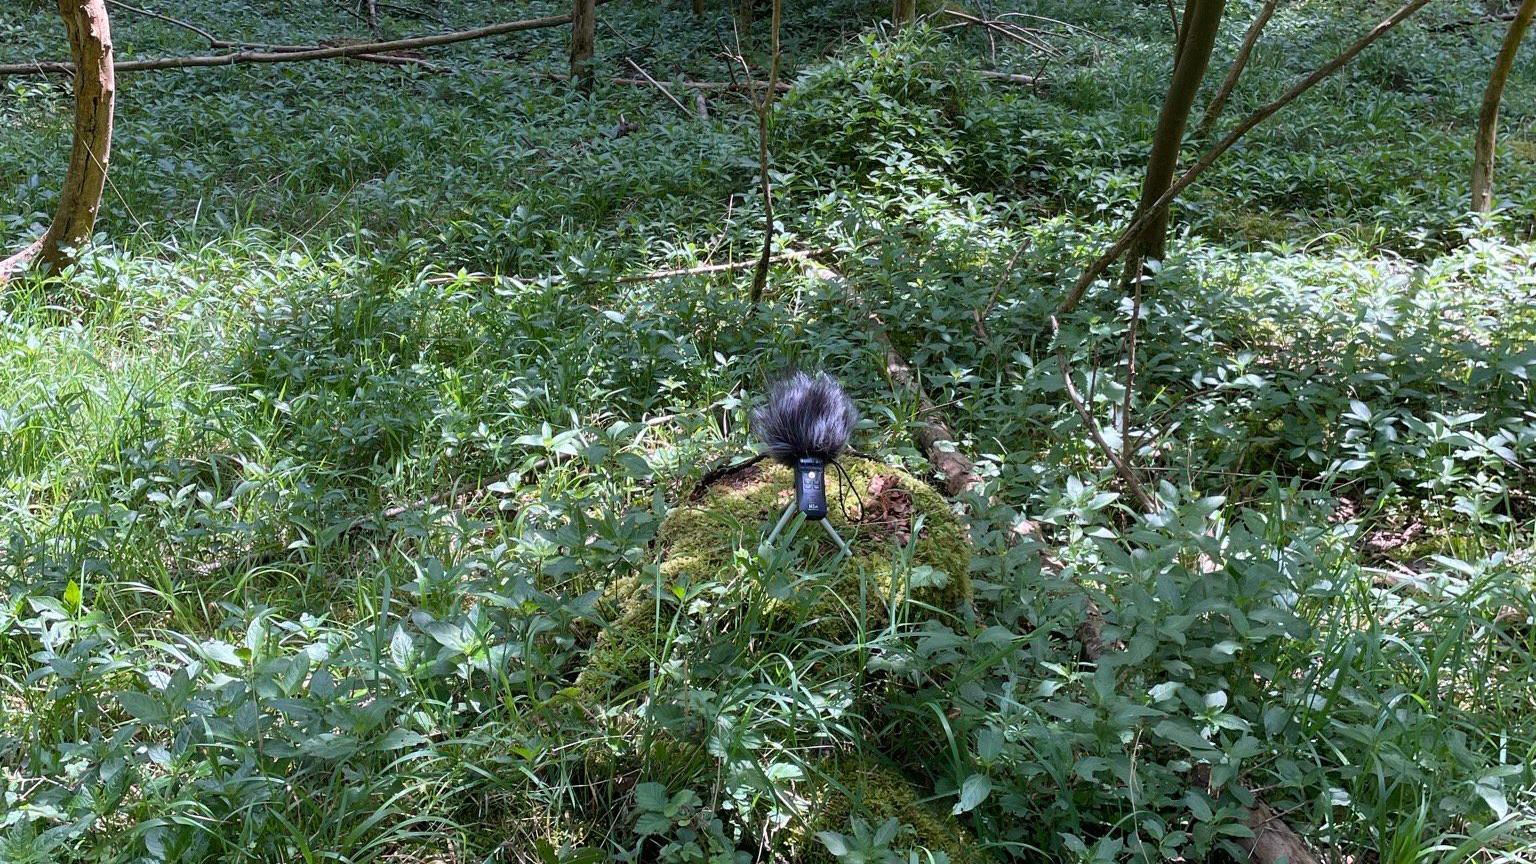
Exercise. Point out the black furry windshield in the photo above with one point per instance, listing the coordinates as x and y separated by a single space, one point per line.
805 416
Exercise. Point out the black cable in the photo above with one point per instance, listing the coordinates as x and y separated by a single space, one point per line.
842 499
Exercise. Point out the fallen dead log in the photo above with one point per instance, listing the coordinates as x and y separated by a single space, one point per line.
1011 77
793 255
932 434
1273 841
226 44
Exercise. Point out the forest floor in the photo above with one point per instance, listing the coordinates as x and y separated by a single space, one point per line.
319 474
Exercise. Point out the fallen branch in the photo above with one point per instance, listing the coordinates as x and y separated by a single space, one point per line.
664 91
1073 27
303 52
1011 77
18 262
795 255
708 85
932 435
1149 215
217 43
724 469
1023 35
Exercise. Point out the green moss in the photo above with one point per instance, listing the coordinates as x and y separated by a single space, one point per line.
858 787
713 539
703 541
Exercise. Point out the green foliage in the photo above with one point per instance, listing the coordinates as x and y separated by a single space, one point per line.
337 478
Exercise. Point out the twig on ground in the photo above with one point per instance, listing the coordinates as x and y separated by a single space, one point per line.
654 83
725 469
18 262
213 41
794 255
1010 77
706 86
1074 27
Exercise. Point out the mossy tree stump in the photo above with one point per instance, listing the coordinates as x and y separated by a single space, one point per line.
908 549
721 615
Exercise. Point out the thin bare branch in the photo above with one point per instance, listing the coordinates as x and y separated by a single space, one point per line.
1239 63
1133 484
654 83
1133 231
336 52
213 41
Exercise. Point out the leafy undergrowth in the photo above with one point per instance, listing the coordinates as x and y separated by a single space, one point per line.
320 472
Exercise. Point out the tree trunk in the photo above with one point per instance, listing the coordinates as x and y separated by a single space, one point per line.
1178 28
1197 36
1488 121
698 7
903 12
583 33
1239 63
1135 230
90 44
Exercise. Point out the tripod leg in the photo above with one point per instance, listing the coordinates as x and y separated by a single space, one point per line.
842 545
789 513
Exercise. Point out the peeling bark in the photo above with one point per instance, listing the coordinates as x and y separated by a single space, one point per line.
90 44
